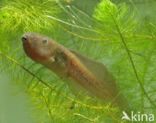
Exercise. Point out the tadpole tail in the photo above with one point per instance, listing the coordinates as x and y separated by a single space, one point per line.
122 103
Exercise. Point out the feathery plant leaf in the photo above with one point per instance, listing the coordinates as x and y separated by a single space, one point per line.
104 12
27 15
117 19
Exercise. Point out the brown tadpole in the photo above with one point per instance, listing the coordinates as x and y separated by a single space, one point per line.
82 71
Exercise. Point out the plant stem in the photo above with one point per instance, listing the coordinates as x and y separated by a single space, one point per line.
132 62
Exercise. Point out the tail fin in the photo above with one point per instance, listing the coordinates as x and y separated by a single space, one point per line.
122 103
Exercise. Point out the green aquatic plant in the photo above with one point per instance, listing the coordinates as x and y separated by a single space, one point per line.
27 15
120 24
106 12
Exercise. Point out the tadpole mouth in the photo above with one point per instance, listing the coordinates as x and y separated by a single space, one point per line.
26 45
24 39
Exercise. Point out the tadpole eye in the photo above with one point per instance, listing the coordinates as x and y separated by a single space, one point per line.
45 41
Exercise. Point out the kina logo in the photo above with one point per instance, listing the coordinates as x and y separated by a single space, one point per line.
136 117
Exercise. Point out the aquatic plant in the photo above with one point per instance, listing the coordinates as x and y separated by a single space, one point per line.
106 12
27 15
118 22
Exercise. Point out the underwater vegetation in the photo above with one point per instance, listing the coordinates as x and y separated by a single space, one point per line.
119 34
19 14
